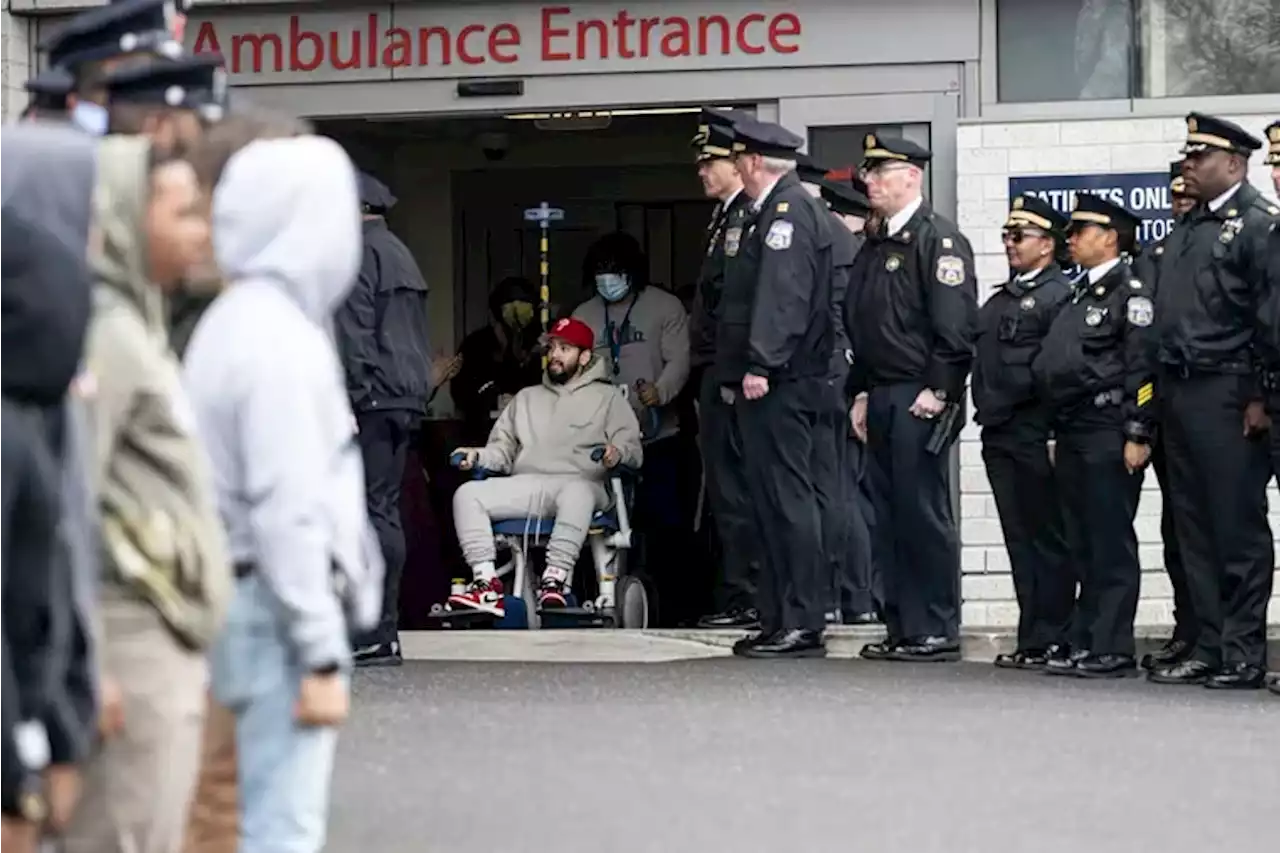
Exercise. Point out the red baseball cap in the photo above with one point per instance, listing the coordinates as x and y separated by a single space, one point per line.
573 332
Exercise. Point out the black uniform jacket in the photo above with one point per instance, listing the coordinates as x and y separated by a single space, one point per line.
1268 341
706 300
1012 323
775 318
1098 352
1212 282
911 312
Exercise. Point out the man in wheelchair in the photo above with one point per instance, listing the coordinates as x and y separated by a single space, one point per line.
548 439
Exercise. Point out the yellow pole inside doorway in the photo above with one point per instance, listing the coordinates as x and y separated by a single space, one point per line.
544 214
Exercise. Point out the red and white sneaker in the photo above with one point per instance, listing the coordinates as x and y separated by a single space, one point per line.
482 595
552 595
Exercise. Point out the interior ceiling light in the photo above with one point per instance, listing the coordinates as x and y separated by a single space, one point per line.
639 111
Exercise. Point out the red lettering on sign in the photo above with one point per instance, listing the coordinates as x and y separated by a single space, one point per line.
562 37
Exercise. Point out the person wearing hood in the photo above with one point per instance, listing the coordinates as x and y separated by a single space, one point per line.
50 687
498 360
166 576
290 490
642 333
382 336
545 439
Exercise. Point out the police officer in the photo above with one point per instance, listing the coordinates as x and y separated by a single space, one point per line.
910 314
1270 321
94 43
723 469
1094 370
171 101
1211 287
776 327
1146 267
845 531
1016 425
47 95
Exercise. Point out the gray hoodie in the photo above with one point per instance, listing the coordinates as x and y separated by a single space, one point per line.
268 391
553 429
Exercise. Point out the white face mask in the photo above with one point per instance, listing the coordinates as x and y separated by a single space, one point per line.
90 117
612 286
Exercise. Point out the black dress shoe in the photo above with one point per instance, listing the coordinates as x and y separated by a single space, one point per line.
381 654
1274 684
792 643
1031 659
1182 672
1173 651
738 617
881 650
1062 659
740 647
1106 666
866 617
1237 676
927 650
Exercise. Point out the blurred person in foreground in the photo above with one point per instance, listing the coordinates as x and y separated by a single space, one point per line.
290 489
166 577
50 689
213 821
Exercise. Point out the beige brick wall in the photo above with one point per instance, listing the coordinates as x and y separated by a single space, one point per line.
988 155
15 61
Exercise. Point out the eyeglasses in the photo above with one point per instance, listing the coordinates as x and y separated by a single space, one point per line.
1017 235
879 171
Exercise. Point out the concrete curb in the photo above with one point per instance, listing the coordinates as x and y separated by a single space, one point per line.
667 645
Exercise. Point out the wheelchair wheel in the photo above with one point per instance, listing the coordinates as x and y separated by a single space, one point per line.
631 603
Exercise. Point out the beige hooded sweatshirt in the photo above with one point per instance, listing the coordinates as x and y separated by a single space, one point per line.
163 538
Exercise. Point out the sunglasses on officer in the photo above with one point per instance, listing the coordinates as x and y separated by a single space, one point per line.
1014 236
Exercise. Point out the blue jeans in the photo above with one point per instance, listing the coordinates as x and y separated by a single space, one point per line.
283 770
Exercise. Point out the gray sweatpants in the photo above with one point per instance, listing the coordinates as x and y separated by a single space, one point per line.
572 501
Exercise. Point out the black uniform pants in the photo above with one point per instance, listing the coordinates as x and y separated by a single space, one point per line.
1185 625
831 490
384 443
860 589
1218 481
728 495
665 530
780 437
1099 502
846 536
916 547
1016 455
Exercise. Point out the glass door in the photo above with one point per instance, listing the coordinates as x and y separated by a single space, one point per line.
834 128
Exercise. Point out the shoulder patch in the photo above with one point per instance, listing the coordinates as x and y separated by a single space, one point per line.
1140 311
778 237
950 270
784 206
947 242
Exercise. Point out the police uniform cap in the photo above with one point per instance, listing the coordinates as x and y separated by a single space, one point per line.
845 192
190 83
1095 210
1177 185
809 170
51 83
1030 209
714 139
118 29
1273 144
877 149
752 136
374 194
1208 133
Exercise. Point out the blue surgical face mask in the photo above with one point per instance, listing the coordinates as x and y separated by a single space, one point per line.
90 117
612 286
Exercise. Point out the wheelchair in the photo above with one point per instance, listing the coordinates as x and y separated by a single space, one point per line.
622 599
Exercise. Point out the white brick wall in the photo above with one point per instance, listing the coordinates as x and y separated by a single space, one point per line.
15 61
989 154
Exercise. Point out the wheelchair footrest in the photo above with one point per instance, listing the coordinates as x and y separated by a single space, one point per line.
516 617
575 617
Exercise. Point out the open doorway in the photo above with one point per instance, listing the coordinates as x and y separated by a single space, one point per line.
464 185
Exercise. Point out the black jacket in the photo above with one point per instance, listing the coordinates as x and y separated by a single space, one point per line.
48 174
705 313
1098 353
775 317
382 328
1012 323
490 368
911 312
1212 284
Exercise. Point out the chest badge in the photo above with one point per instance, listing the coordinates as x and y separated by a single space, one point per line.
894 262
1093 316
1230 229
1027 303
732 239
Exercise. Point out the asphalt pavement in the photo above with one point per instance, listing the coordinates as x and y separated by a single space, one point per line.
752 757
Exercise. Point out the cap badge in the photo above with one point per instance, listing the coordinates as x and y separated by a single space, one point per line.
173 95
129 42
870 141
1017 203
1193 126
